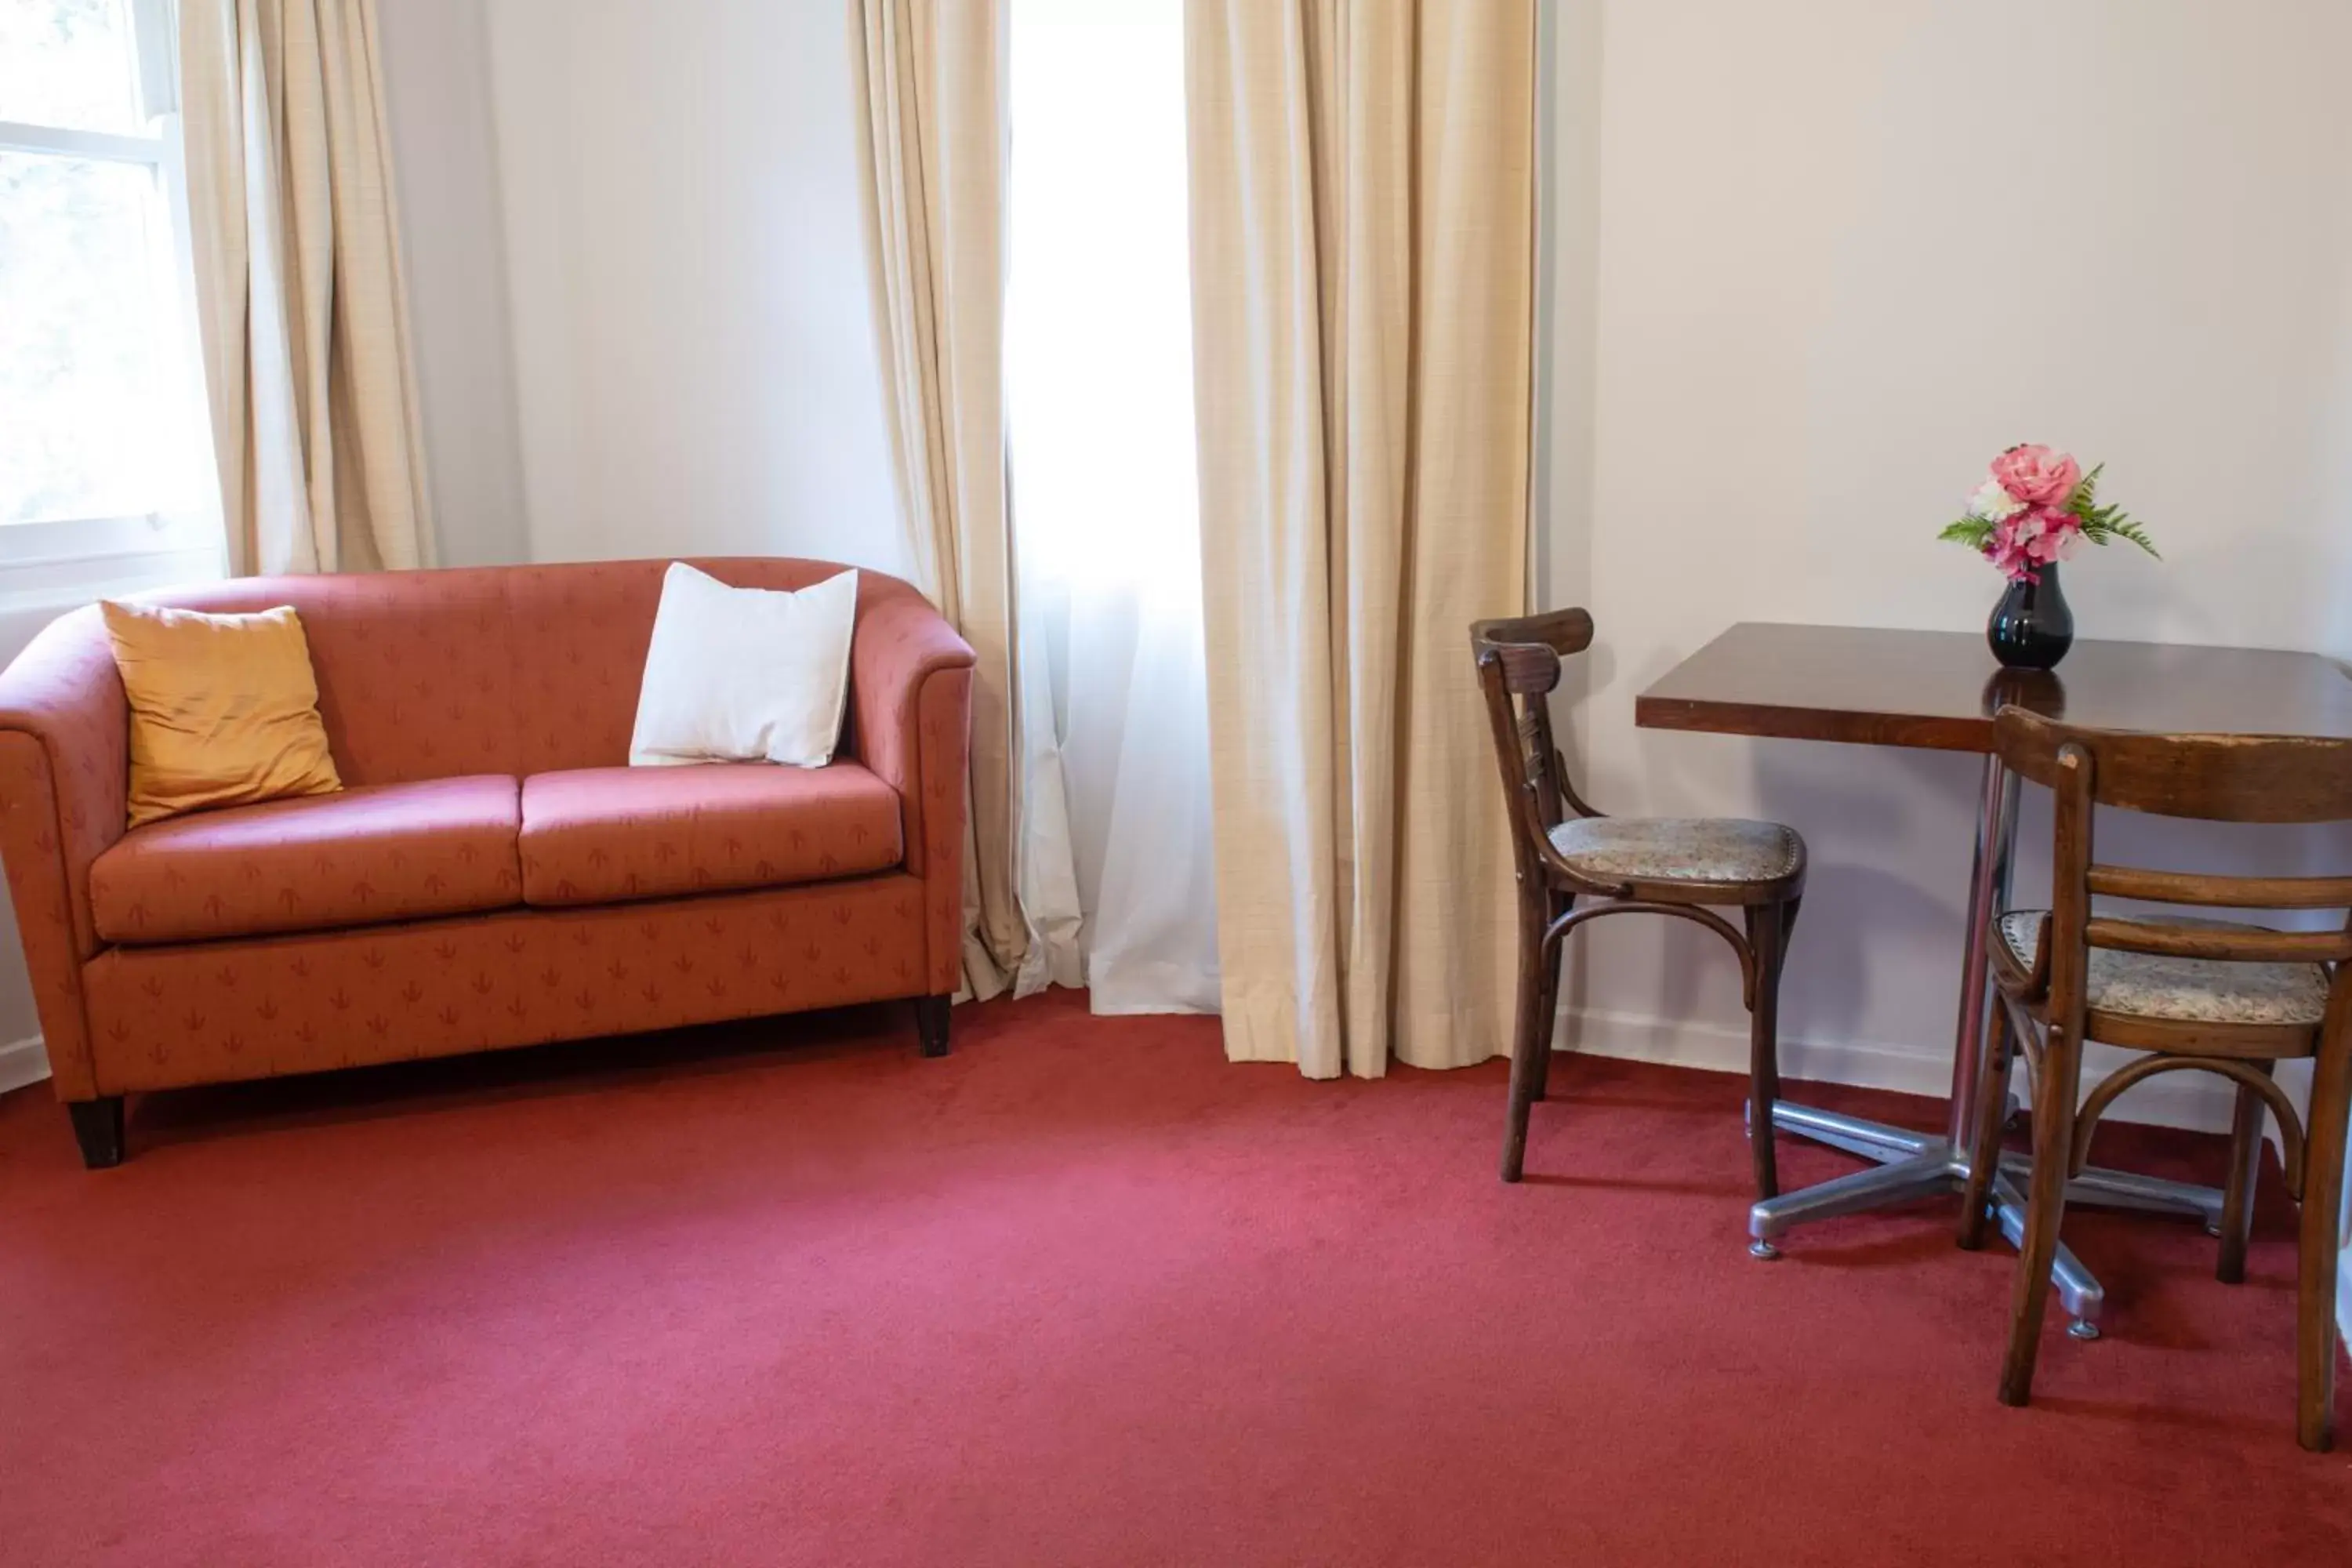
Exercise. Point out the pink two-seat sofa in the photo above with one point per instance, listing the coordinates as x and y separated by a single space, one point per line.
493 874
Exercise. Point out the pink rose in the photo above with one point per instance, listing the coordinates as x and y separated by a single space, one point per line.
2038 476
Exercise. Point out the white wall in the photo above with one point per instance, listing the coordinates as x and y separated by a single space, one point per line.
694 346
638 278
1842 252
445 176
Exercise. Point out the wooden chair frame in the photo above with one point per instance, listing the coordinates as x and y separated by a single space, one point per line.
2044 1006
1520 663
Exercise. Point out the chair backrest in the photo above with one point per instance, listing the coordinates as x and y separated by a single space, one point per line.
1518 668
2209 778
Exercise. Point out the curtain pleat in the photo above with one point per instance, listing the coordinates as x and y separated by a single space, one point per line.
930 78
302 304
1363 197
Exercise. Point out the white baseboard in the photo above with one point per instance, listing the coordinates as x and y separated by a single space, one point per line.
2179 1099
2194 1101
24 1063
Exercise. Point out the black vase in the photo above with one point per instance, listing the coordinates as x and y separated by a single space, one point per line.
2031 628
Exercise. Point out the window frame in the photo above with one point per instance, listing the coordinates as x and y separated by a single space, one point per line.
59 560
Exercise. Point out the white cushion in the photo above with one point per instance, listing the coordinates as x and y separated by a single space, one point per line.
745 674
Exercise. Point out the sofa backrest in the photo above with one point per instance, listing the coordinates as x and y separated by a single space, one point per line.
496 669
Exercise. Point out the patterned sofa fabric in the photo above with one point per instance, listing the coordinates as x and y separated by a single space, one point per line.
215 1012
910 695
65 783
379 852
595 835
447 676
417 670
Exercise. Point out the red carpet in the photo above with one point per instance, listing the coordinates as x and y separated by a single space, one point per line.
1082 1294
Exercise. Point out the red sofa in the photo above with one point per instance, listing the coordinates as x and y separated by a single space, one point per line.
493 874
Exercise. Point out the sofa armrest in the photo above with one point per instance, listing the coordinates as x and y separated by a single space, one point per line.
65 737
911 690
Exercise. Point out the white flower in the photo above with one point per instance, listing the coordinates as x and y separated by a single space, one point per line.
1994 504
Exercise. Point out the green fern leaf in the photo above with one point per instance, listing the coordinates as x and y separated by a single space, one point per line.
2086 492
1973 531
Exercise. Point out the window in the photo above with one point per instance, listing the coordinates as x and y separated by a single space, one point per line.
1098 388
106 474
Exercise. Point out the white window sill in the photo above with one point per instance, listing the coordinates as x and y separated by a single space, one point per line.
48 568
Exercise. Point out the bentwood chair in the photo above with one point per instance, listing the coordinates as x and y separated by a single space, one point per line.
1568 855
2192 993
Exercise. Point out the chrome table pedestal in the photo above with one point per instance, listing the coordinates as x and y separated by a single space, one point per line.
1909 1166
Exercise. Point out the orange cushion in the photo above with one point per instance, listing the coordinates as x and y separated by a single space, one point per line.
383 852
592 835
224 709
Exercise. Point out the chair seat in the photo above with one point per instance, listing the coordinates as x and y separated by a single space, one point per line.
596 836
1678 849
2187 990
361 855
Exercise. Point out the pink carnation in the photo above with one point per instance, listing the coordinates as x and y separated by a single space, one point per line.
2038 476
2058 536
2008 556
2022 544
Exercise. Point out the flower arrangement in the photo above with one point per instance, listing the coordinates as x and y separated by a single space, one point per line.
2036 507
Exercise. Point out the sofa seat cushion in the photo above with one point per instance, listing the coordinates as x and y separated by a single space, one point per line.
379 852
597 836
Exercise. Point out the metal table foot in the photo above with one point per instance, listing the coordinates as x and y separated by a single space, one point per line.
1913 1165
2103 1188
1871 1140
1907 1166
1927 1175
2079 1290
1939 1169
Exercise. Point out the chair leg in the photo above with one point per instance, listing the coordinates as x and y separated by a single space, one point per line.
2323 1208
1984 1143
2238 1196
1547 1005
1768 933
2054 1093
1529 1042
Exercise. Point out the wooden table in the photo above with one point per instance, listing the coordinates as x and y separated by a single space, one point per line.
1940 690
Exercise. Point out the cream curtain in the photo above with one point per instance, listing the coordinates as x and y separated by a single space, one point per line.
1363 177
301 302
932 138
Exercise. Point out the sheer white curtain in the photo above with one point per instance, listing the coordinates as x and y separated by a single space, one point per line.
1100 385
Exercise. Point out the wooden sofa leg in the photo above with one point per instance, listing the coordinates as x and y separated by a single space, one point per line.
931 1022
98 1128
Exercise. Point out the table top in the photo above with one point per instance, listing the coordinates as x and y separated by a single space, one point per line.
1939 690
